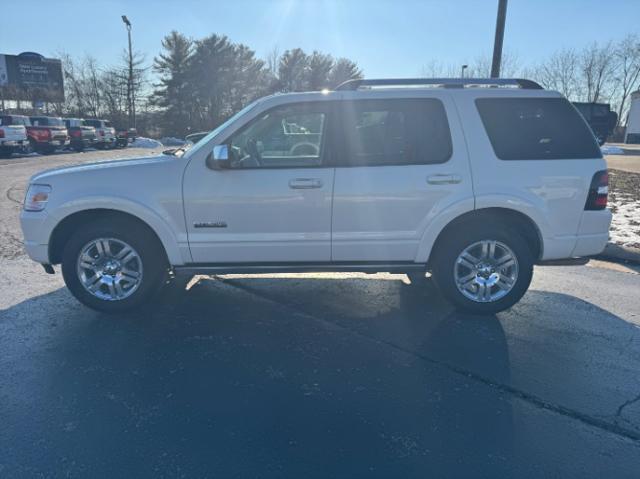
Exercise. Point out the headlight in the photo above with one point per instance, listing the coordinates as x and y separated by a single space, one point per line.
37 197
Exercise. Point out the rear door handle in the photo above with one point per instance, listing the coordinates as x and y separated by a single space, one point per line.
444 179
305 183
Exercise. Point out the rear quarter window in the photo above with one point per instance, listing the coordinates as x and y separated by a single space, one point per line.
536 129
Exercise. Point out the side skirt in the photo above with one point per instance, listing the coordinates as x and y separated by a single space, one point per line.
266 268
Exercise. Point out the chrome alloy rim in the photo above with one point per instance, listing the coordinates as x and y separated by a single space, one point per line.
109 269
486 271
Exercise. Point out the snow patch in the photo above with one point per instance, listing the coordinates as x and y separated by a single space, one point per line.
611 150
625 226
172 141
142 142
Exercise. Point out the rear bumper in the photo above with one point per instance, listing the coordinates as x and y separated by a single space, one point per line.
593 233
591 238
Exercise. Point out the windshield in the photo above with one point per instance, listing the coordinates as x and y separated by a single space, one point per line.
205 140
94 123
46 121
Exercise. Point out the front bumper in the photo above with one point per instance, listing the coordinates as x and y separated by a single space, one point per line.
36 235
13 142
37 252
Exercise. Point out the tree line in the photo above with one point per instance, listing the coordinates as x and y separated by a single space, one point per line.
203 82
197 83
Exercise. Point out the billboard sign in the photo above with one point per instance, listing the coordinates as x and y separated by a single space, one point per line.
30 76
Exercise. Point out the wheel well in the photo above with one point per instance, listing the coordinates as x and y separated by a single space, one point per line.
63 230
519 221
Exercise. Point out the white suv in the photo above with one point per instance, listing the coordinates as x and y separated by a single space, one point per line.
474 181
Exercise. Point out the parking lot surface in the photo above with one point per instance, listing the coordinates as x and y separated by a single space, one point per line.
315 376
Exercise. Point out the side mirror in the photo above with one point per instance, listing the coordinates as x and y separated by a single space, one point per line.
218 159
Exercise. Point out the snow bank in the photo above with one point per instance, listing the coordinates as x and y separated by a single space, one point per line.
142 142
611 150
625 226
172 141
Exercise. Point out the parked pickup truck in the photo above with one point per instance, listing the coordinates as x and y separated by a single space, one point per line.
124 136
80 135
105 133
47 133
13 135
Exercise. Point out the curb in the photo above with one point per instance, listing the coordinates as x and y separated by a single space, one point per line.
625 254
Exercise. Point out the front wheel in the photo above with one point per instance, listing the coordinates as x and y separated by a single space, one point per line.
483 270
114 266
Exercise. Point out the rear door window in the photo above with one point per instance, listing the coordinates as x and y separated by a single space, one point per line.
394 132
536 129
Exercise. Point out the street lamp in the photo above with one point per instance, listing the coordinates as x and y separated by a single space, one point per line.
130 99
464 67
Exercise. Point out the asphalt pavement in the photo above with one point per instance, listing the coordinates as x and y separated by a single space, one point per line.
322 375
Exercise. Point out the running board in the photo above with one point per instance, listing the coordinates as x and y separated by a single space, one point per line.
565 262
266 268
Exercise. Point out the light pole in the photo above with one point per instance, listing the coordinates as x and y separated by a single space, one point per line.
464 67
497 43
130 99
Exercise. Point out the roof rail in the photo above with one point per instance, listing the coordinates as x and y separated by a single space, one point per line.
440 82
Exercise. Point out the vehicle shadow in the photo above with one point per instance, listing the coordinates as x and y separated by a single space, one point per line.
305 377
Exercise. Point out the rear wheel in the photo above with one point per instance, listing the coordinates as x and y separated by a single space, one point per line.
483 269
5 152
113 266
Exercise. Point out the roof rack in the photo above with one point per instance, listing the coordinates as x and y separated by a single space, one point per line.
441 83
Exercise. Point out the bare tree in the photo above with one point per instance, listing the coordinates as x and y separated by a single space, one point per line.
509 68
273 60
596 66
560 72
627 71
437 69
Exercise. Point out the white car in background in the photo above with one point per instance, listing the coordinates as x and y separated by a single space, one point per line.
473 180
105 133
13 137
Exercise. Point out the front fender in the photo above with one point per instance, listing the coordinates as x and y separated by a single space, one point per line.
125 205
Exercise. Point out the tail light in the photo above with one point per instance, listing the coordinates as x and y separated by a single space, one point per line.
1 133
598 191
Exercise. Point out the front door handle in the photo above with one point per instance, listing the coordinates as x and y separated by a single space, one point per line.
444 179
305 183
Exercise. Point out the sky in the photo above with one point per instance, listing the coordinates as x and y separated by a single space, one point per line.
386 38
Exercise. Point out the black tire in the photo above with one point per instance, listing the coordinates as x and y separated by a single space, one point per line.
5 152
78 148
449 248
143 241
48 149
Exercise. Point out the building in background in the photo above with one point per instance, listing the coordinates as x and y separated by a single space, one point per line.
632 134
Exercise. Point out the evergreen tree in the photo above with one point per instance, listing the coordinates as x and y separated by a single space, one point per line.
173 93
